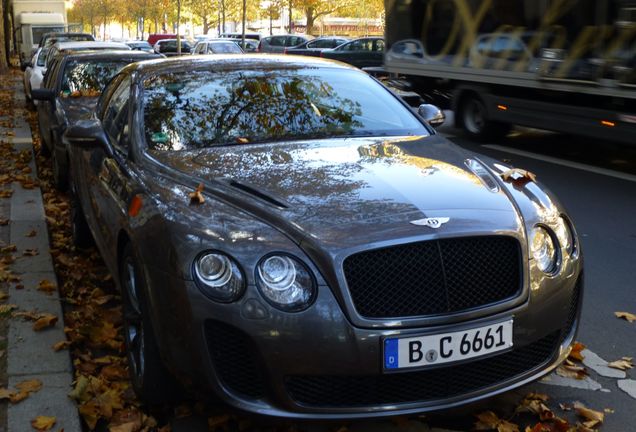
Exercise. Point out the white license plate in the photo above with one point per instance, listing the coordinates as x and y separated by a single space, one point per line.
419 351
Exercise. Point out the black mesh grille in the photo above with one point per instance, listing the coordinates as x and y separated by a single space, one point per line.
434 277
422 386
573 309
234 359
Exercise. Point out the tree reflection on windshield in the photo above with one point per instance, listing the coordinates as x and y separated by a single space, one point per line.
204 108
88 79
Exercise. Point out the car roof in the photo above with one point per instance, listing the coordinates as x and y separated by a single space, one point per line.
111 54
232 62
90 44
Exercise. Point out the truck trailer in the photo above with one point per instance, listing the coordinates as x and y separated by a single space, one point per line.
561 65
33 18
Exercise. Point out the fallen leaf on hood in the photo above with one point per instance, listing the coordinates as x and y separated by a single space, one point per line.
592 417
488 420
575 354
626 315
622 364
43 423
45 320
47 286
196 197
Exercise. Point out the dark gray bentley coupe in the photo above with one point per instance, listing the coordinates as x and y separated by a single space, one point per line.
291 236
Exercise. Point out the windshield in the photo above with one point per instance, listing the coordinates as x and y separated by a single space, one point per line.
224 48
89 78
198 109
42 57
38 32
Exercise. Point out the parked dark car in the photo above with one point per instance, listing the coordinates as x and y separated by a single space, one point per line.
168 47
316 46
257 207
69 93
363 52
278 43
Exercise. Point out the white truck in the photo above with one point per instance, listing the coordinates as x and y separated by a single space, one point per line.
33 18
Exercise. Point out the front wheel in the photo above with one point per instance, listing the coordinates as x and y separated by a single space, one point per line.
475 122
150 379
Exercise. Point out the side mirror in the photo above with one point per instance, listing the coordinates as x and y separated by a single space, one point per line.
88 134
432 114
43 94
25 65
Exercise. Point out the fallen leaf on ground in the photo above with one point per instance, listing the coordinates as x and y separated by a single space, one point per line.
196 197
29 386
575 354
61 345
488 420
592 417
47 286
6 393
622 364
4 221
7 308
31 233
45 320
570 370
43 423
30 252
626 315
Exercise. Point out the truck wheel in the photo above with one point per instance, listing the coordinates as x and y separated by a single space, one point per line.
475 123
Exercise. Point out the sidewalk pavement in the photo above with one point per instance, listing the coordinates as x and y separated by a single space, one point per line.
30 354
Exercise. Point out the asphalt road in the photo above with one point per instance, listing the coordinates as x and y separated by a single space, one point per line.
596 181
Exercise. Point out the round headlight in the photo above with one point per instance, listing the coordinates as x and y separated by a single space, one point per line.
565 234
544 250
285 282
219 276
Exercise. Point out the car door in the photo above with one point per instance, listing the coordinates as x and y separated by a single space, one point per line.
109 186
46 109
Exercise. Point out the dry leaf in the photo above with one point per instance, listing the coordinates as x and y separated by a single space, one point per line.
626 315
29 386
196 197
6 393
61 345
592 417
488 420
30 252
575 354
47 286
570 370
45 320
4 221
31 233
43 423
622 364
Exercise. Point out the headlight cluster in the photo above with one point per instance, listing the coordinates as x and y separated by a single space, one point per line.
284 281
545 244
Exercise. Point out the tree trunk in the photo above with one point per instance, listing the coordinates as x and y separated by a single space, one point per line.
243 24
291 22
178 27
223 15
4 64
206 25
8 33
309 14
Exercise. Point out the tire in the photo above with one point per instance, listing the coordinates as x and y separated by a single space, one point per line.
474 121
82 237
151 381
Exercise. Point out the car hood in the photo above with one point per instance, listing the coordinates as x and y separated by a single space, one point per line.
352 190
80 108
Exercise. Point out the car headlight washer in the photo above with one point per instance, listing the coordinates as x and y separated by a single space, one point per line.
285 282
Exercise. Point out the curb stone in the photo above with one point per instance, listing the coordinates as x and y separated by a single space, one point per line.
30 354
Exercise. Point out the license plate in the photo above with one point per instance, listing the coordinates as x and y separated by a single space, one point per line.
419 351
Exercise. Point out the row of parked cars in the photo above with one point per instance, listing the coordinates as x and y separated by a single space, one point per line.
251 206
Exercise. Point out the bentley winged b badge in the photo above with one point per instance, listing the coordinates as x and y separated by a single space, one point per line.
431 222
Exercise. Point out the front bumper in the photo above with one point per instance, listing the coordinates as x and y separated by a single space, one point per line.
317 365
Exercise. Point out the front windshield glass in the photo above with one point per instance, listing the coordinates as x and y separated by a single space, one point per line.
198 109
42 57
90 77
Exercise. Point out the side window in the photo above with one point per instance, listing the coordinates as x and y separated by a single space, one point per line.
115 115
314 44
277 41
379 45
